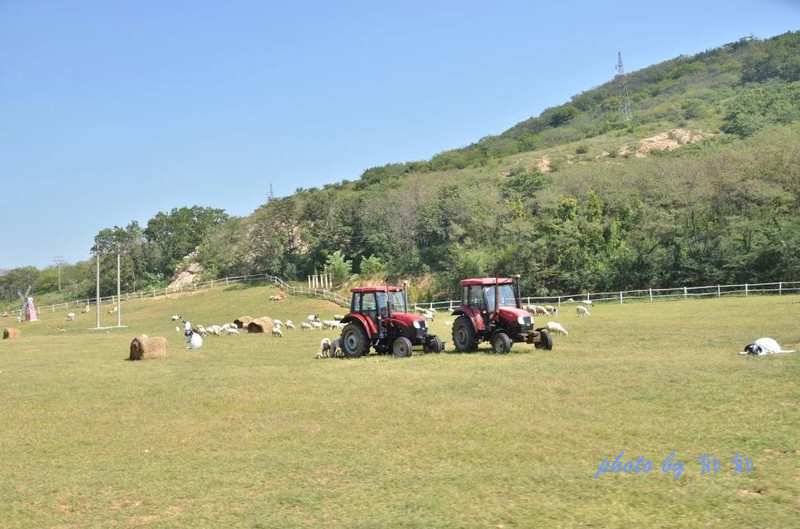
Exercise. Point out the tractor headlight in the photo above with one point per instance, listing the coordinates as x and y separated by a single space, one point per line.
521 320
417 324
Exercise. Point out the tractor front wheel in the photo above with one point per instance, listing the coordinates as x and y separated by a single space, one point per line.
401 347
501 343
464 336
354 341
545 341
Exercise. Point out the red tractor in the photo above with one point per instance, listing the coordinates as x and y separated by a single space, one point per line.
379 318
490 311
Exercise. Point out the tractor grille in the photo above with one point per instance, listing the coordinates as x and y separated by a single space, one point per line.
528 321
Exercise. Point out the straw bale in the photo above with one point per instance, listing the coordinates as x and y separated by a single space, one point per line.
148 347
12 332
242 321
263 324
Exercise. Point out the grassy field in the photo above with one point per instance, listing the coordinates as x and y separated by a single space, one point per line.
254 431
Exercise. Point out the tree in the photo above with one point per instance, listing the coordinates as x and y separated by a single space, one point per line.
339 268
178 233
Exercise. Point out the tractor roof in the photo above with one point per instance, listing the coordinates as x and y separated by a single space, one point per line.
487 281
359 290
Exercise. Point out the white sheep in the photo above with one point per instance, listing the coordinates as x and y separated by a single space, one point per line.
305 325
277 322
176 317
553 310
324 348
70 316
556 328
316 325
195 341
313 317
289 324
587 302
330 324
582 311
428 315
232 330
276 332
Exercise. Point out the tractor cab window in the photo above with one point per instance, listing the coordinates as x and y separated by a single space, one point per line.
398 302
368 306
383 308
473 297
508 297
488 293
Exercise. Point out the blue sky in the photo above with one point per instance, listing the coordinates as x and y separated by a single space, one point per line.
111 112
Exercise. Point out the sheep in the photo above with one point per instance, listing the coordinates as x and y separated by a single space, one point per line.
330 324
277 322
336 347
556 328
86 309
538 309
764 346
329 348
313 317
324 348
233 331
316 325
428 315
70 316
176 317
582 311
553 310
305 325
276 332
289 324
338 317
587 302
177 329
195 341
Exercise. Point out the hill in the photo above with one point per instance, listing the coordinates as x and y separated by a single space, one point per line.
699 186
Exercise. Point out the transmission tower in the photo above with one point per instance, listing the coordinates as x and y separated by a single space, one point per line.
624 102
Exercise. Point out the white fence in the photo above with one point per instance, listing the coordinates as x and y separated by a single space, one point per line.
627 296
280 283
650 294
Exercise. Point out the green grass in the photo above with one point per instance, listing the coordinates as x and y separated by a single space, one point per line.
253 431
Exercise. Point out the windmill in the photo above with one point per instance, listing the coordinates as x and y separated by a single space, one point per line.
27 305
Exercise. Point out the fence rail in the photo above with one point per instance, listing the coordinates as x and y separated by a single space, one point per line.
280 283
626 296
649 294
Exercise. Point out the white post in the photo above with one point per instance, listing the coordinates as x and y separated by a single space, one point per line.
746 289
651 293
780 288
719 291
119 299
620 298
98 290
685 293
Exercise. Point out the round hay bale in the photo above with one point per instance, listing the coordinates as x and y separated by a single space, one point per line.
12 332
243 321
148 347
263 324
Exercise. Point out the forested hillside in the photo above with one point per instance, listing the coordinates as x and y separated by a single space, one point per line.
701 185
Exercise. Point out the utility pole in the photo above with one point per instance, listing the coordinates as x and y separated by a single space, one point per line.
624 100
58 259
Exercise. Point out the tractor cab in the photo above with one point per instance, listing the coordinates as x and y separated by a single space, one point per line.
379 319
490 311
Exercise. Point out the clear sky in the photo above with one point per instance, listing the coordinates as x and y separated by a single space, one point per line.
112 111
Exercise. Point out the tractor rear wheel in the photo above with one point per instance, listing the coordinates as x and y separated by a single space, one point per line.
354 341
501 343
464 336
545 340
401 347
